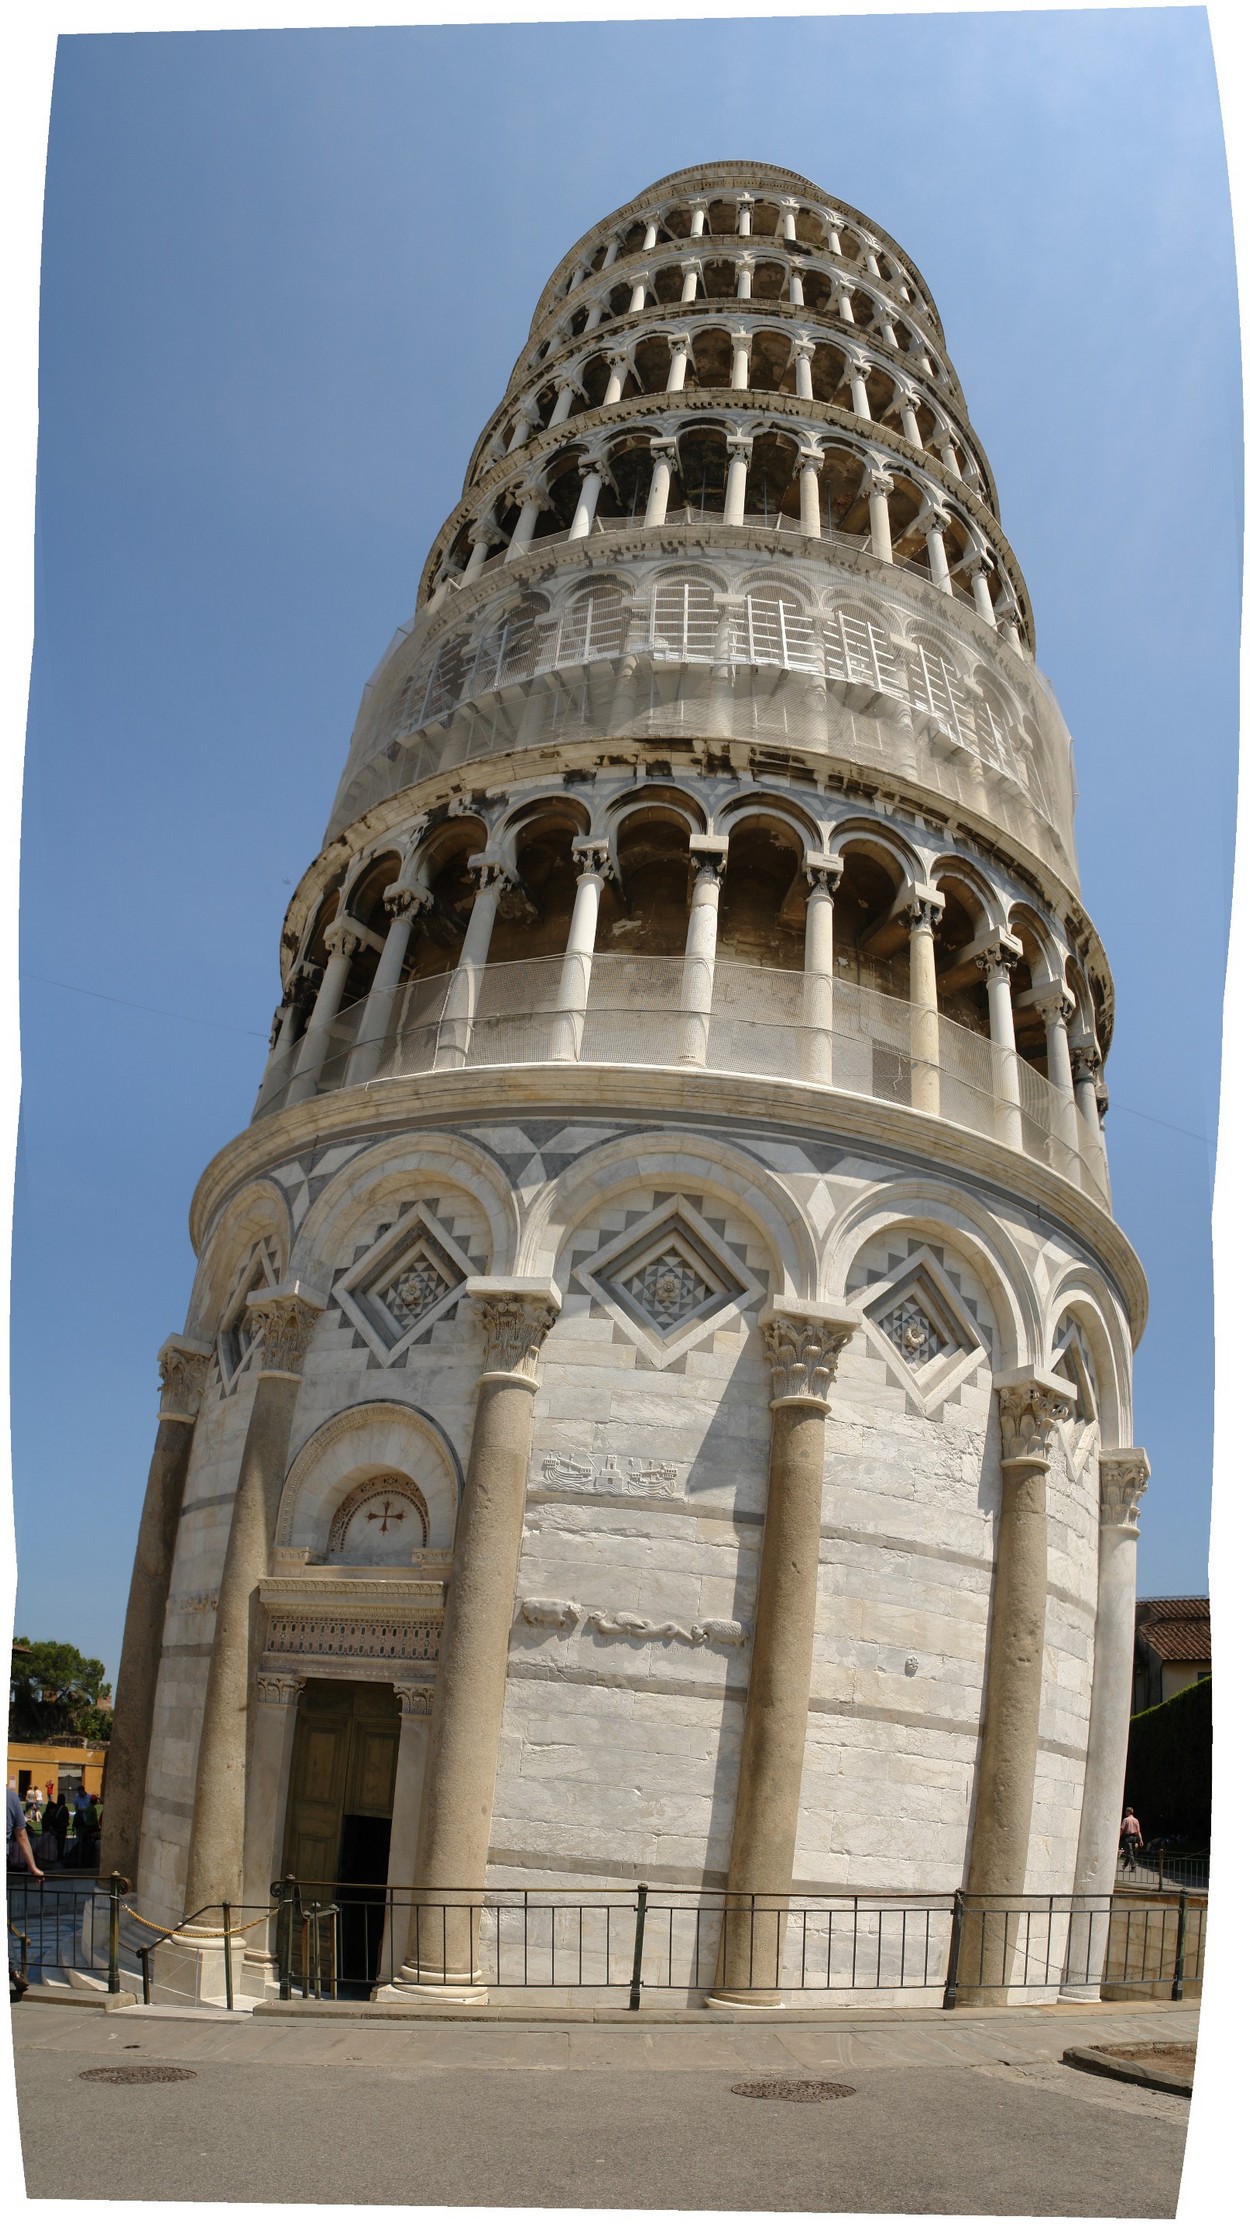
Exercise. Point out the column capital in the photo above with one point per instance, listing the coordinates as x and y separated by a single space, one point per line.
278 1691
344 938
689 263
933 518
414 1698
859 366
740 443
489 872
924 905
709 854
877 480
1086 1062
1054 1003
663 445
804 1343
592 465
286 1320
483 529
998 957
401 902
1122 1477
744 262
1030 1406
592 858
516 1312
183 1361
803 346
809 459
525 491
822 872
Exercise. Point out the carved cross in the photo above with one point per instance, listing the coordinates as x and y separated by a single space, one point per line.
388 1514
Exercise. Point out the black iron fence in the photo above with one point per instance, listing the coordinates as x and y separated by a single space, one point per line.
326 1940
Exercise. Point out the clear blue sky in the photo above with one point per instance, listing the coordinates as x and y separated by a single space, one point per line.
286 276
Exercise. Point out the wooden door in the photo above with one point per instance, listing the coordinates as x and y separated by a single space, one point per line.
346 1748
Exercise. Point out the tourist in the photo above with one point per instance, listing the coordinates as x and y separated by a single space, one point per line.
18 1856
56 1823
1130 1838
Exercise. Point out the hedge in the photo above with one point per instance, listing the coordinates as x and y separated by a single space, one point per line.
1167 1781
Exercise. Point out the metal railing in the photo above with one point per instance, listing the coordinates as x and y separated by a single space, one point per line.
66 1924
639 1011
1156 1869
956 1947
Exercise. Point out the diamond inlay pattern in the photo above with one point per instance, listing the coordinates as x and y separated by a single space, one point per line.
912 1333
669 1290
414 1292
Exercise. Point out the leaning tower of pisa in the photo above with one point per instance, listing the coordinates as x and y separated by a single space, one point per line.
655 1398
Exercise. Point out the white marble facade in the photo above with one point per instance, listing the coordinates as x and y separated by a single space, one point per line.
696 945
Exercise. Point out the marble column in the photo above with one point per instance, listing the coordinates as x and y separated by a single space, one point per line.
526 423
740 368
679 357
924 909
455 1028
745 265
995 964
183 1362
1056 1005
804 350
982 598
810 461
935 524
789 210
343 939
453 1836
483 534
591 470
1086 1074
908 418
857 371
618 368
531 500
563 402
698 219
796 286
579 950
664 463
415 1701
638 297
275 1702
736 479
1122 1479
803 1343
746 202
709 853
404 906
690 279
880 487
285 1320
1030 1406
833 231
816 1053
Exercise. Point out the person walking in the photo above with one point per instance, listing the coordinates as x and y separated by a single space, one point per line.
17 1856
1130 1839
56 1820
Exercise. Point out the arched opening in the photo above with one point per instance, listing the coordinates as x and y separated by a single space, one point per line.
435 946
772 368
713 360
533 921
870 935
645 914
703 457
961 992
763 903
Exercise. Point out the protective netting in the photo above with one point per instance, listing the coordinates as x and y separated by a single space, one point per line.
855 661
677 1012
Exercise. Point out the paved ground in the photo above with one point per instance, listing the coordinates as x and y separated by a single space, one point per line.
950 2114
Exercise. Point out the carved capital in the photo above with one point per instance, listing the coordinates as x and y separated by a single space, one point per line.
516 1316
414 1698
184 1365
878 482
401 902
998 958
1030 1407
1086 1063
664 451
803 1343
923 912
803 349
285 1320
592 858
278 1691
1122 1479
1054 1004
822 872
344 938
489 872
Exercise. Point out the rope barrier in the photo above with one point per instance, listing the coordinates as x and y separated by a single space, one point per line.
202 1930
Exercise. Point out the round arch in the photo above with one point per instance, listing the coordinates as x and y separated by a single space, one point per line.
375 1441
257 1214
948 1215
383 1175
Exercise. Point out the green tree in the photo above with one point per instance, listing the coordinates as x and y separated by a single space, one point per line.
55 1691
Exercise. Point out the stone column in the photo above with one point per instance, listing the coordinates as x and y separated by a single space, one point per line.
404 906
857 372
286 1319
414 1736
455 1028
664 454
804 350
789 210
736 479
579 950
1056 1005
935 524
563 402
810 461
745 265
618 366
709 853
690 279
275 1703
803 1343
453 1835
591 470
924 909
907 416
845 308
698 219
746 202
796 286
526 423
651 234
946 450
880 487
482 536
343 940
983 600
532 500
638 298
1010 630
1030 1405
1122 1478
679 356
183 1363
833 231
740 368
996 964
1086 1075
816 1055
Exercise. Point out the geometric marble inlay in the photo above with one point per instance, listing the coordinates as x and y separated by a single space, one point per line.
411 1276
669 1280
921 1326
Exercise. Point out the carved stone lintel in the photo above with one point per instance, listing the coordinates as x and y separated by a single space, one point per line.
1030 1406
278 1691
565 1615
803 1343
184 1365
285 1320
1123 1476
516 1316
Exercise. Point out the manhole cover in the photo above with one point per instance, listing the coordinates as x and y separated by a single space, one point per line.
792 2088
136 2073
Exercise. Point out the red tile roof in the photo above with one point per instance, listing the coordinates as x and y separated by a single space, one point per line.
1177 1629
